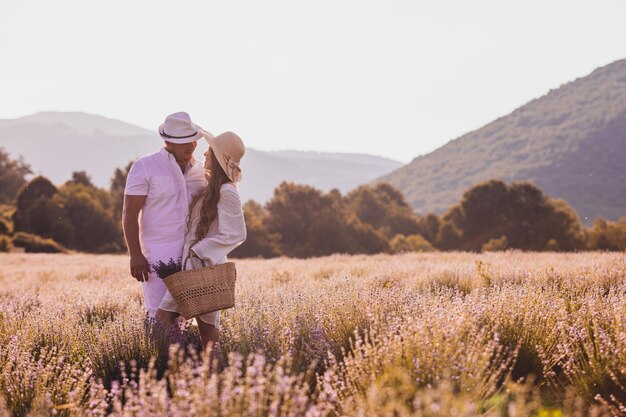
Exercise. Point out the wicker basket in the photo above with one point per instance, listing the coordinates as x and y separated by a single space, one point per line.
203 290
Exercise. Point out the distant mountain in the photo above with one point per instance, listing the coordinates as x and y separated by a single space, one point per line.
81 123
57 143
325 171
570 142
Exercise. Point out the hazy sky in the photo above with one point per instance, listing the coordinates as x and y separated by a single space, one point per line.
392 78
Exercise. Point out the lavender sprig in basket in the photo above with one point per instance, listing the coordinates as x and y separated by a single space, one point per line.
164 270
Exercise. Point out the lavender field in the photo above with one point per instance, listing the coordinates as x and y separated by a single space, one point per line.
450 334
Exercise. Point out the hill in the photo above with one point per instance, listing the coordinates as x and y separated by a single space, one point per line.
325 171
57 143
571 143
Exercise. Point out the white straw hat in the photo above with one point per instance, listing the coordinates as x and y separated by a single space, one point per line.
178 128
228 149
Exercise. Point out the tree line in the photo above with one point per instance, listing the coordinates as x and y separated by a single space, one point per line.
302 221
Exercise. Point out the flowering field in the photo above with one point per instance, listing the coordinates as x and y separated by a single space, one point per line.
451 334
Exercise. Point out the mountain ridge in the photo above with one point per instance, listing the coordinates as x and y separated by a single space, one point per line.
55 144
567 142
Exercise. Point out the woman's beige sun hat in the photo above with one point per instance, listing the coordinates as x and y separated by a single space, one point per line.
228 149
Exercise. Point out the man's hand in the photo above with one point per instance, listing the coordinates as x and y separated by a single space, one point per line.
139 267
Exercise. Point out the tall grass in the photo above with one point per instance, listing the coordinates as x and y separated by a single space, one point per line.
498 334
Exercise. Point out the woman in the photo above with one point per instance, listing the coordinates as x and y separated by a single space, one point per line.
215 226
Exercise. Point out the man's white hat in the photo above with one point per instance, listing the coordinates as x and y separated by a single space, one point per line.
178 128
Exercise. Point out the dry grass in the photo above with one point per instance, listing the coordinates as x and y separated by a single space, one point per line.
496 334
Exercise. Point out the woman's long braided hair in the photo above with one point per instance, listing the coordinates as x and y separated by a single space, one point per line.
208 197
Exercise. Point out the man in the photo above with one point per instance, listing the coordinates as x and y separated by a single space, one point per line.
159 188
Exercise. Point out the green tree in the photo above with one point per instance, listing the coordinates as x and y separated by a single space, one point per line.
12 176
563 225
118 184
384 208
78 215
38 188
449 237
80 177
289 216
259 242
363 238
307 222
521 212
89 211
429 227
367 205
482 214
37 213
606 235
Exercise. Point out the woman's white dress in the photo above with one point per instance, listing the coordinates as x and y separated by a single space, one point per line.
226 232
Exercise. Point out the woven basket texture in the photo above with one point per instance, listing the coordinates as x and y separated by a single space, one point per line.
203 290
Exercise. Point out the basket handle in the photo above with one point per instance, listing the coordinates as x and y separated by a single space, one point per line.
191 254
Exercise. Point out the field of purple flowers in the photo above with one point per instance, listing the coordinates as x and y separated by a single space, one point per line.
448 334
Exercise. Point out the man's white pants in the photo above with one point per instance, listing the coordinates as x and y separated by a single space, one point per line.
153 291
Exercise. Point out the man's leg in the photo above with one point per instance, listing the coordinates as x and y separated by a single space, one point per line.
168 324
153 291
165 318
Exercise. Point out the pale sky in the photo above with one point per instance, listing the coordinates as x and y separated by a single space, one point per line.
390 78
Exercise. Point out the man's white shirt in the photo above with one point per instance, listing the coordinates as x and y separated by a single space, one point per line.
163 218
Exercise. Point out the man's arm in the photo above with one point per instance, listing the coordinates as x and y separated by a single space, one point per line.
139 267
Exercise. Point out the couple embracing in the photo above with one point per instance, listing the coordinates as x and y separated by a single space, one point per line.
175 205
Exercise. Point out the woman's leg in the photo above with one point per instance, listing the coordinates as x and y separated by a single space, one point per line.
209 334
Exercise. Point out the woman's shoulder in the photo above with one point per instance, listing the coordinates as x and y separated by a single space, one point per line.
229 186
229 192
229 199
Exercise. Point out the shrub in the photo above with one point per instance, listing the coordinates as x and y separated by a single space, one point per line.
114 247
411 243
496 245
553 245
607 235
33 243
5 227
5 244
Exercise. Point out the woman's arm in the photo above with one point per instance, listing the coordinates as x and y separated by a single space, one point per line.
231 228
